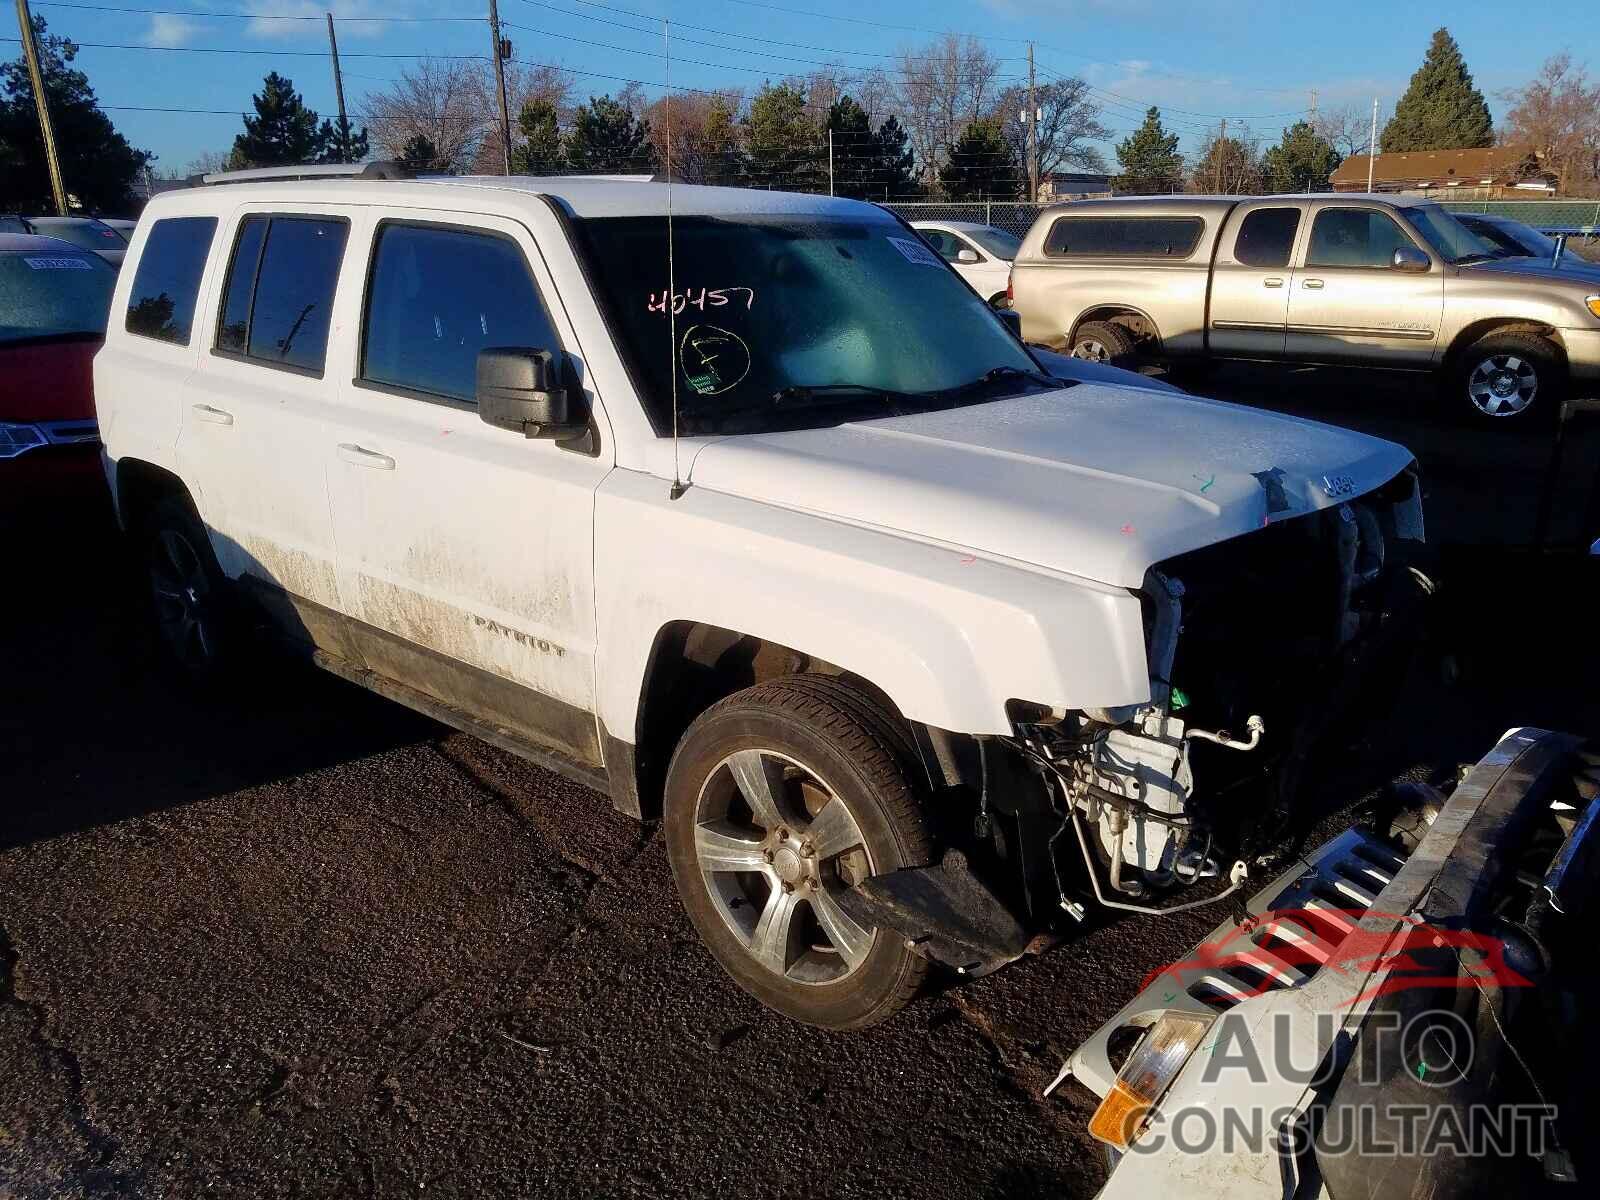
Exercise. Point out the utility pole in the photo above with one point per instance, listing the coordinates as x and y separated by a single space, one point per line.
830 162
338 90
1033 134
1222 145
30 51
500 55
1313 104
1372 146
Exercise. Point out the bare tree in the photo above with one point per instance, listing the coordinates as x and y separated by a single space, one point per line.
1228 166
1348 129
208 163
1069 121
943 89
523 83
705 136
1558 116
441 100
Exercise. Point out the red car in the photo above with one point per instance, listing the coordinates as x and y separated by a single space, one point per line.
54 298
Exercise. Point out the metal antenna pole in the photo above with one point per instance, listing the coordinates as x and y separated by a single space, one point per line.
678 486
830 162
500 87
30 51
338 90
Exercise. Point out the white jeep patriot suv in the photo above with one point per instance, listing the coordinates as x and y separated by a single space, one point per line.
744 509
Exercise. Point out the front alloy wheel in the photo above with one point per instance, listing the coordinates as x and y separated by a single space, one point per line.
1503 385
778 800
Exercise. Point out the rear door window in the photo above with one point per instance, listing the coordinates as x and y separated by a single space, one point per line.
1354 237
1266 237
1120 237
167 283
281 283
438 296
947 244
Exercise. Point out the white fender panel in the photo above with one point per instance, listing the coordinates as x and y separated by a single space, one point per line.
949 634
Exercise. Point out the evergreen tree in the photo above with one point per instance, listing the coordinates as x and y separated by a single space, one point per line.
340 143
982 165
1302 162
894 175
540 151
607 139
1442 109
1151 164
787 151
283 132
98 167
419 154
855 149
1226 166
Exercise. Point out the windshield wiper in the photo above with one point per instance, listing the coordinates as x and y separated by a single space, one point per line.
841 391
1003 375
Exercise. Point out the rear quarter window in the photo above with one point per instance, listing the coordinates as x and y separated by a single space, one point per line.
1123 237
167 282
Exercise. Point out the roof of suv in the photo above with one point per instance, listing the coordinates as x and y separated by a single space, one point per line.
583 197
37 243
1175 204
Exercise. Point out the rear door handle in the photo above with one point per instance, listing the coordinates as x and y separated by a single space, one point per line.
362 457
1313 284
1275 281
204 412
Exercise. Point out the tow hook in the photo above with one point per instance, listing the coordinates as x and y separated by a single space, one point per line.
1254 725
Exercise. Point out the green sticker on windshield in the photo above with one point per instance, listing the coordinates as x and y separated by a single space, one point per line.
713 360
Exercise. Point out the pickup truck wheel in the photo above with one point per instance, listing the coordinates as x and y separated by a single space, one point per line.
187 592
1509 378
777 799
1101 341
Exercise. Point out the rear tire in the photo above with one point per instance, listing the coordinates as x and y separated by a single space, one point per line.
777 798
188 594
1101 341
1509 380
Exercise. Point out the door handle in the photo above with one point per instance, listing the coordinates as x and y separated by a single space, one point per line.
362 457
1313 284
1275 281
204 412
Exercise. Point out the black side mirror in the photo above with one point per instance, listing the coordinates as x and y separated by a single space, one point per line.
1012 320
520 389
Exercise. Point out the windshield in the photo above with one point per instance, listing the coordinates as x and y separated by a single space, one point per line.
1521 241
91 235
1450 239
996 241
45 294
795 320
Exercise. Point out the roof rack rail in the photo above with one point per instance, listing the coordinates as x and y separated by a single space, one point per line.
371 170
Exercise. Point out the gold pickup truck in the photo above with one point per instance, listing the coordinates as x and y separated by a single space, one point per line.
1355 280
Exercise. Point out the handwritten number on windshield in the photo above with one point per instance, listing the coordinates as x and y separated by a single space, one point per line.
708 298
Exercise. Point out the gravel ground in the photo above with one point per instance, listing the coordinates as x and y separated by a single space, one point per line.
303 942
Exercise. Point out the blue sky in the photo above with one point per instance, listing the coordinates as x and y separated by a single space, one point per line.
1254 62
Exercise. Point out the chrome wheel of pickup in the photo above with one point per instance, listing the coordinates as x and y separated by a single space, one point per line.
1503 385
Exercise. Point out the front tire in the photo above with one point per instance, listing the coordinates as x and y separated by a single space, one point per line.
778 798
1509 380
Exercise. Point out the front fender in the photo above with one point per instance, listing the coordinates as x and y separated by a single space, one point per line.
949 635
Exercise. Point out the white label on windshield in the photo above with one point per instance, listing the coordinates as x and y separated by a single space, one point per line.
58 262
916 252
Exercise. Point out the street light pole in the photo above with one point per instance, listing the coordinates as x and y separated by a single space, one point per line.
30 51
1033 134
1372 146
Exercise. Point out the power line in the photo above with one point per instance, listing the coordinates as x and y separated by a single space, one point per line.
252 16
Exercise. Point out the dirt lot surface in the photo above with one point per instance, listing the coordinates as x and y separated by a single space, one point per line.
302 943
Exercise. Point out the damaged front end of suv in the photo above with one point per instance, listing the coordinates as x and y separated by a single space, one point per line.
1263 650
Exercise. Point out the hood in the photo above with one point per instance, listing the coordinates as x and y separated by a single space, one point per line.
48 380
1572 268
1097 481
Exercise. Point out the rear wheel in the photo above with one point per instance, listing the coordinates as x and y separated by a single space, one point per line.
187 592
779 798
1101 341
1508 379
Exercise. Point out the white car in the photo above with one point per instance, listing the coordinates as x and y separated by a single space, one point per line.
759 522
980 254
